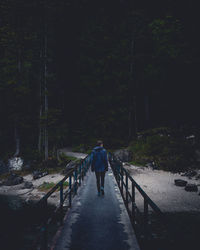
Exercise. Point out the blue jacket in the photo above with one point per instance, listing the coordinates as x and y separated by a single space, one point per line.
99 161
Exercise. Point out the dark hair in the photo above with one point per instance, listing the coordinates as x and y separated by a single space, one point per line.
99 142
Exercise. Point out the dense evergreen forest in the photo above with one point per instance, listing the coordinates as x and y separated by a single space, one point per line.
72 71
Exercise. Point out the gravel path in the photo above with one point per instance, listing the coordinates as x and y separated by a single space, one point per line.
68 152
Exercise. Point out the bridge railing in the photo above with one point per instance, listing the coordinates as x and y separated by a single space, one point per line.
140 220
74 178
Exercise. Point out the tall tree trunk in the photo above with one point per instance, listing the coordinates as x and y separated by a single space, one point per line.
43 111
19 81
130 123
46 99
147 112
17 141
16 122
135 113
132 96
41 106
40 132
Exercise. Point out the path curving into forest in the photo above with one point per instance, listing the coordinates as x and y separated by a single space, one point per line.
68 152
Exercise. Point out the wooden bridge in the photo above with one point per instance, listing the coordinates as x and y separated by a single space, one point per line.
89 221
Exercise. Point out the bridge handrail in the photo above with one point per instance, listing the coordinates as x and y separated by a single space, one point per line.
119 173
54 188
75 175
145 196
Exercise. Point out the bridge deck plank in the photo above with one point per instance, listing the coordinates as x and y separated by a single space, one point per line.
99 223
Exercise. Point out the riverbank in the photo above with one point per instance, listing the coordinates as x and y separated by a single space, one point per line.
32 194
179 230
160 187
20 220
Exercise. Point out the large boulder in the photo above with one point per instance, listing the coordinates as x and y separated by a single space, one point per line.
191 188
123 155
27 185
180 182
190 173
69 166
197 177
13 179
39 174
15 163
151 165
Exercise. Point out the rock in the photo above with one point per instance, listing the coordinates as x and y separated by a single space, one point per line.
13 179
123 155
70 165
15 163
197 177
18 180
190 173
27 185
191 188
38 174
180 183
151 165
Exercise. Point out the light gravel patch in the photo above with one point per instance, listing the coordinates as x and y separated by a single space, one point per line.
33 194
67 152
159 186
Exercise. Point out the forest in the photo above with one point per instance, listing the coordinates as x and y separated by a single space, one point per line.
72 72
122 71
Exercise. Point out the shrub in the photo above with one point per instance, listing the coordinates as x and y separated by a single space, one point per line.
46 186
64 159
80 148
168 152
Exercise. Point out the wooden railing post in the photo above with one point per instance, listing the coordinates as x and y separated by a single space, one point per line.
61 194
70 191
44 244
75 181
133 202
61 202
126 189
145 217
118 169
80 172
122 180
84 171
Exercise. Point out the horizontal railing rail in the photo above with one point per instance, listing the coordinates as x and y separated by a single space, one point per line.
74 177
128 186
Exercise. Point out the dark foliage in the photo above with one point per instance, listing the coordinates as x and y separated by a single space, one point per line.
114 68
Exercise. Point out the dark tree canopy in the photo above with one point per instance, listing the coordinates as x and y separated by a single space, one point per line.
108 69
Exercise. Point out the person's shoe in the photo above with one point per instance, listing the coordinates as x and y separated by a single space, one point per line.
102 190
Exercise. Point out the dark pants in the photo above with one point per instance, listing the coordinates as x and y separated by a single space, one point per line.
100 179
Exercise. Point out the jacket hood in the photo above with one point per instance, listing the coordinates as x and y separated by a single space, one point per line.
98 148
